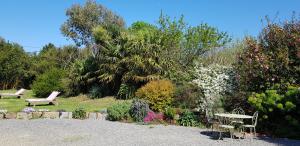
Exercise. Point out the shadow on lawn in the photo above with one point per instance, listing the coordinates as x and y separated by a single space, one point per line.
42 104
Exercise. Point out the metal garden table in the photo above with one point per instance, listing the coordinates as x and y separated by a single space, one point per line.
233 116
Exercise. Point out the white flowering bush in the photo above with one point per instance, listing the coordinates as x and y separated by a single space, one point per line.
215 81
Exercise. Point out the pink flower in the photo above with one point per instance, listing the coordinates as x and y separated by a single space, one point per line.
159 116
151 116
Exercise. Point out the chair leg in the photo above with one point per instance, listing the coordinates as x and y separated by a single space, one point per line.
212 129
244 132
220 135
254 132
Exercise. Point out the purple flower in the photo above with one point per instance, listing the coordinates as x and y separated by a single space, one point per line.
28 110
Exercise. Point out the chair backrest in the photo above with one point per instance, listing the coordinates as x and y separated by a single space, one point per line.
209 114
20 92
224 120
254 118
238 111
53 95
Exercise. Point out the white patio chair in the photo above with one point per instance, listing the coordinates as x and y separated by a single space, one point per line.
225 125
239 111
49 100
18 94
252 127
211 121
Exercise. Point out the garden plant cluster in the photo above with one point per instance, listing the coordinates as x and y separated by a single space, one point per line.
168 72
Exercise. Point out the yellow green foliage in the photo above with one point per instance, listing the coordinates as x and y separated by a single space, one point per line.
279 109
159 94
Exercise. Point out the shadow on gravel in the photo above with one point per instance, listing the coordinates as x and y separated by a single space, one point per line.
214 135
280 141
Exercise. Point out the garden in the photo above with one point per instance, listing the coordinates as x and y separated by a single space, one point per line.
170 73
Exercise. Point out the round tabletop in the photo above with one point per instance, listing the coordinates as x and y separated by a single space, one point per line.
236 116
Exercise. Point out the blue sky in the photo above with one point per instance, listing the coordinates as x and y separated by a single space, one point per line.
34 23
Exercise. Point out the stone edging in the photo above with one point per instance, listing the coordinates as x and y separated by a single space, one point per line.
49 115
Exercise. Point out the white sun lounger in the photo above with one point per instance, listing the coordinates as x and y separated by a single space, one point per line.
49 100
18 94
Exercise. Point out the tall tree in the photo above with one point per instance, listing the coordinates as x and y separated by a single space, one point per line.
203 38
53 57
67 55
83 19
128 58
45 60
14 62
141 53
182 44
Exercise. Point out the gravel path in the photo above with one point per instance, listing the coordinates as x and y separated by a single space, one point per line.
44 132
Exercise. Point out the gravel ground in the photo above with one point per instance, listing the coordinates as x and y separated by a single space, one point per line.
44 132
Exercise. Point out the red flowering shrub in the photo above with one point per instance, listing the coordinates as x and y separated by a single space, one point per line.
253 67
160 116
152 116
273 58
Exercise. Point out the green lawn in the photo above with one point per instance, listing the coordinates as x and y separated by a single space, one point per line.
13 104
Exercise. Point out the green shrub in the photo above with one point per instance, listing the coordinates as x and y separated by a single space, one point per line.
187 118
159 94
139 109
67 87
170 113
119 111
99 91
125 91
187 95
237 99
74 83
48 82
279 107
79 113
95 92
